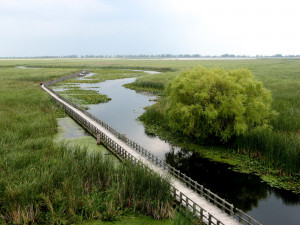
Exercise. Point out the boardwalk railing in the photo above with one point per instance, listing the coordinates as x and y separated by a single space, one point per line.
226 207
74 75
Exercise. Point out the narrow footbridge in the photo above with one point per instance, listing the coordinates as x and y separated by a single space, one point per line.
209 207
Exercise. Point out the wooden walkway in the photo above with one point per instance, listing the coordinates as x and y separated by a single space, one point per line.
186 196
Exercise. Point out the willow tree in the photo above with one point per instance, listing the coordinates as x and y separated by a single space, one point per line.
216 102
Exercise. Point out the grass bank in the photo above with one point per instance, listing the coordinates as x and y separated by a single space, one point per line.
154 83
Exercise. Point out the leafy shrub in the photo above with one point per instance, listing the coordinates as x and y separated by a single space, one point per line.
216 102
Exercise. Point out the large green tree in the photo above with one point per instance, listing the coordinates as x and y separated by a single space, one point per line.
216 102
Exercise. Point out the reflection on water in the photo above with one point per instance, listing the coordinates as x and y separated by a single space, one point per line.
122 112
219 179
247 192
70 128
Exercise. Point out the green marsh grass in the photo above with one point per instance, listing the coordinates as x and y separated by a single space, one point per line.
42 183
277 149
84 97
131 219
154 83
185 217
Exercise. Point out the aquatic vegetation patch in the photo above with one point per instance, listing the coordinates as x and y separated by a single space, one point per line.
101 75
277 149
141 86
154 83
84 97
73 135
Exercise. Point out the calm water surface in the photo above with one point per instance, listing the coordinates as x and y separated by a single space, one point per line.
122 112
268 205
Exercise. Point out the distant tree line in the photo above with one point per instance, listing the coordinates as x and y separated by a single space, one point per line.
153 56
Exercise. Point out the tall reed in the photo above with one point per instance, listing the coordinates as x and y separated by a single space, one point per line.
42 183
277 149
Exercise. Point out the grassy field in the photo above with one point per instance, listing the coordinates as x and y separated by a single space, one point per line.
42 183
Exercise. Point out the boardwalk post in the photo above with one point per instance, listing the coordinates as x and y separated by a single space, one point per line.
98 139
240 217
215 199
231 210
175 194
194 208
201 214
209 219
180 197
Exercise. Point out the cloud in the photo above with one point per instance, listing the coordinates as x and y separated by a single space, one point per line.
53 8
234 26
150 26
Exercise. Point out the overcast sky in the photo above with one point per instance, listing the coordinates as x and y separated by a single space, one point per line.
206 27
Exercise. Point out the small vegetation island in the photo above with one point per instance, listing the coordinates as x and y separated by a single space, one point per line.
248 108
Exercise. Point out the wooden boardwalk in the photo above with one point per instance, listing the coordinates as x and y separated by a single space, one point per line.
186 196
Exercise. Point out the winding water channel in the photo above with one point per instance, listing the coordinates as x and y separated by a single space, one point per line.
268 205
